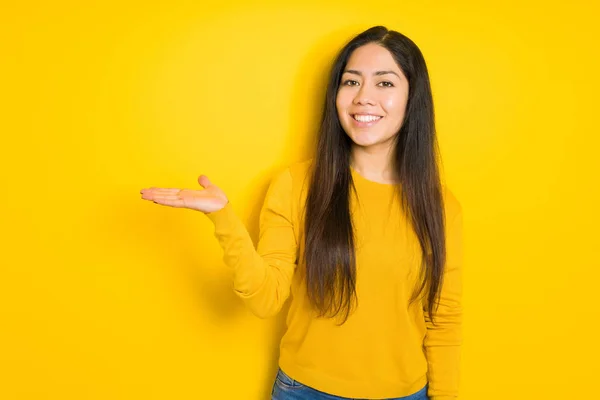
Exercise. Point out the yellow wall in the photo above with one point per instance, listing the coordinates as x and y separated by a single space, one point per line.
105 296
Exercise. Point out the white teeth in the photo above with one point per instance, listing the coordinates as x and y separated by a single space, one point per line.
366 118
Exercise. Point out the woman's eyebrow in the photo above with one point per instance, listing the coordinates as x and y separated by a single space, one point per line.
377 73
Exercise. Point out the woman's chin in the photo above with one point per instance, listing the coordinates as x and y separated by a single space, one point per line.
364 140
370 139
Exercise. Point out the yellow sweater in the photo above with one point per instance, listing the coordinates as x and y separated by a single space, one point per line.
385 349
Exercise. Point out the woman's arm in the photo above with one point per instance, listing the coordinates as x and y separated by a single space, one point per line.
442 341
262 276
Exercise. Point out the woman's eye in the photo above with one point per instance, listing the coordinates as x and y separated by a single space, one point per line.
386 84
350 82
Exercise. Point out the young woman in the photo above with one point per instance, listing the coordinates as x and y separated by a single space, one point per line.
363 236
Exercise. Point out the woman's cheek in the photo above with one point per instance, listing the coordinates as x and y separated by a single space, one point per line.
394 105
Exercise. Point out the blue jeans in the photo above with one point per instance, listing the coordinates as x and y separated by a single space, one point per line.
286 388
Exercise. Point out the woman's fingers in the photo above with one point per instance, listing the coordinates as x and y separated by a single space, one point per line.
171 196
151 193
162 190
207 200
172 202
165 196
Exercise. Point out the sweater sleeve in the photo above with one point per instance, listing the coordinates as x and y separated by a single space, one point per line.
262 275
442 341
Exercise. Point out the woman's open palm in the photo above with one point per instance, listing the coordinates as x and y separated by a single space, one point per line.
208 200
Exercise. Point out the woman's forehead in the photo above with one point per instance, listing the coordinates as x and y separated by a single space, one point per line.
371 58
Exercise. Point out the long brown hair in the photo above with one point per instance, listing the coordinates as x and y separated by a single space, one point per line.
329 233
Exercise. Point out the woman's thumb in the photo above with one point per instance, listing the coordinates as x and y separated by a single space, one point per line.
204 181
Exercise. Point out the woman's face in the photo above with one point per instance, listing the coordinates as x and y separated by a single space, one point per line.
371 99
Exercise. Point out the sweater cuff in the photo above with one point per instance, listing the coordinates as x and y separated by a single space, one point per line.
223 216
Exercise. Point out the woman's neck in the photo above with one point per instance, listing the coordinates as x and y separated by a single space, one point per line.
374 165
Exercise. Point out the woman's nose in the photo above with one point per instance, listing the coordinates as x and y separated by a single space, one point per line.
364 96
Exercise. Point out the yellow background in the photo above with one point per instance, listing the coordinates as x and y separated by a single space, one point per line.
106 296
